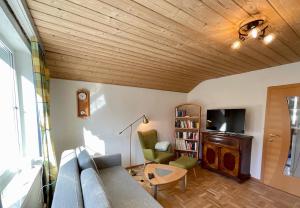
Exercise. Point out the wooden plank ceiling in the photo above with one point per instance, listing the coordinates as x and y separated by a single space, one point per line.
160 44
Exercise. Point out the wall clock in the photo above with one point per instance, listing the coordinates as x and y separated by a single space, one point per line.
83 103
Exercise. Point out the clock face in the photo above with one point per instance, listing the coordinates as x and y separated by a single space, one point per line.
82 96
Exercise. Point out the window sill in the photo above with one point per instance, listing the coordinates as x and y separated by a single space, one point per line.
16 192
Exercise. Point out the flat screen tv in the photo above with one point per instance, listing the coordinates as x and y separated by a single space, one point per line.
226 120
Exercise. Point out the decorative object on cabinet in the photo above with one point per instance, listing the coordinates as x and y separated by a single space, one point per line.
83 103
187 130
228 154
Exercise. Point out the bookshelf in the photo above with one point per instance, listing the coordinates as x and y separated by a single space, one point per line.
187 130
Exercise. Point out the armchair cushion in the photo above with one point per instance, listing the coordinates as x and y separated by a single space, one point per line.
148 139
163 157
162 146
184 162
149 154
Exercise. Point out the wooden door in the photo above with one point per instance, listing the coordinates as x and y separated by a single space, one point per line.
277 139
210 155
229 161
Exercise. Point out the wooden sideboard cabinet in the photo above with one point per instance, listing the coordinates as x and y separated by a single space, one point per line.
228 154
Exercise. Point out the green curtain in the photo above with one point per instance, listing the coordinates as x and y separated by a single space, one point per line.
41 76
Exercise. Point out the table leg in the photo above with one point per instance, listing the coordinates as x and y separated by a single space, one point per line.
154 189
183 183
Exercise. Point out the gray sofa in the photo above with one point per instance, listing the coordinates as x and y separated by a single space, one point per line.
97 182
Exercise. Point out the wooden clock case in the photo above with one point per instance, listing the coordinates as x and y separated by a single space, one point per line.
83 105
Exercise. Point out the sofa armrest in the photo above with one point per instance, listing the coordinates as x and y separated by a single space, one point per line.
149 154
107 161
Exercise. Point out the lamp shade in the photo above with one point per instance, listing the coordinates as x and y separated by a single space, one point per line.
145 120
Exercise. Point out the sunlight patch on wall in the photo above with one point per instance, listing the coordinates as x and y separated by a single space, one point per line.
97 103
93 143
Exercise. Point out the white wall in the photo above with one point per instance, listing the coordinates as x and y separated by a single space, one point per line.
112 109
247 90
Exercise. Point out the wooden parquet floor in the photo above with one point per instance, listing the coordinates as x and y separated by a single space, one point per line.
210 190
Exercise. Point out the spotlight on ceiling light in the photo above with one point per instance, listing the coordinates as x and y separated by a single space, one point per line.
269 38
254 32
236 44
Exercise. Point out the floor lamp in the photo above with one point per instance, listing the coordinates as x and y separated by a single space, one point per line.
145 121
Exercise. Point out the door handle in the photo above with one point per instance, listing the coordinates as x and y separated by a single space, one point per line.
272 136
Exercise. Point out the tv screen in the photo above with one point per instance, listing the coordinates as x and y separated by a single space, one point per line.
226 120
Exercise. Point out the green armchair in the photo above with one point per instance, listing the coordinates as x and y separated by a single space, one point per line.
148 139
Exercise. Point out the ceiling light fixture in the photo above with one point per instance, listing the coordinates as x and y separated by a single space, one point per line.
269 38
236 44
255 28
254 32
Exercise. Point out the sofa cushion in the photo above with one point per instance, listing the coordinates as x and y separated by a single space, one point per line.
84 159
107 161
123 191
68 189
93 190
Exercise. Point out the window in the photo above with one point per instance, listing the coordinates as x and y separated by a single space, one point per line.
19 143
10 140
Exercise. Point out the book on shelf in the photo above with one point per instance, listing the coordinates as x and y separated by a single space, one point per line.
187 135
187 130
188 124
180 113
188 154
182 144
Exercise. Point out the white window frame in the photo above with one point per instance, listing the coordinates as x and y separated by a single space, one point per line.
16 106
16 98
20 188
28 172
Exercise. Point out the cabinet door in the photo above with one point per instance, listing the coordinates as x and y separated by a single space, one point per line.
229 161
210 155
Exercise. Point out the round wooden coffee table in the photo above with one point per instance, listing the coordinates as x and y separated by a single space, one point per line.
164 174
